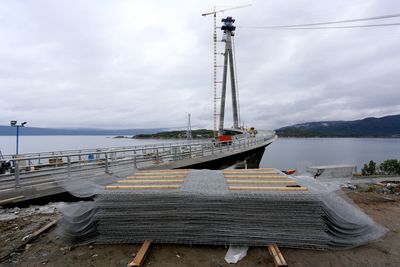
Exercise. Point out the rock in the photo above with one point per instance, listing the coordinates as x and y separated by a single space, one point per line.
45 262
28 246
26 237
90 247
94 255
133 254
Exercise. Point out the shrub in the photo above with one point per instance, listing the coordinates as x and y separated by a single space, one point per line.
369 169
390 167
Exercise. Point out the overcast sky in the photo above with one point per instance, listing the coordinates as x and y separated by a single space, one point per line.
146 64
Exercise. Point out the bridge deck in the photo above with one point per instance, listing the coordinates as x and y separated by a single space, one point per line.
46 174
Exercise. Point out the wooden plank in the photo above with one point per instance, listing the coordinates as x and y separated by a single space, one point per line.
277 256
142 186
141 255
244 173
10 200
154 176
133 181
256 176
234 181
29 238
44 228
163 171
267 188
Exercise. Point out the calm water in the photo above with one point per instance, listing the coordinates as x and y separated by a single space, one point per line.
300 152
284 153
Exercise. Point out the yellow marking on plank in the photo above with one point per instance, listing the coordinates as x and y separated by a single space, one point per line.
143 186
244 173
163 171
155 176
268 188
150 181
259 182
256 176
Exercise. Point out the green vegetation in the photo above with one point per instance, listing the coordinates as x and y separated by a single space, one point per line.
388 167
196 134
388 126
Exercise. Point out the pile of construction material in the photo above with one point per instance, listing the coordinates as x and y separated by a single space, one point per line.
233 207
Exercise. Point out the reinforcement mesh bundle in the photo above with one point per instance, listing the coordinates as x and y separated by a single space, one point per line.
212 207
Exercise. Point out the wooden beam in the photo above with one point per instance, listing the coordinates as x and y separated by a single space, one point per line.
268 188
234 181
256 176
252 172
277 256
10 200
44 228
141 255
155 176
163 171
133 181
142 187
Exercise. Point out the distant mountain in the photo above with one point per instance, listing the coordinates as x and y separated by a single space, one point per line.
388 126
7 130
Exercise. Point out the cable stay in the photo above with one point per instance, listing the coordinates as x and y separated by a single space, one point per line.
318 28
309 25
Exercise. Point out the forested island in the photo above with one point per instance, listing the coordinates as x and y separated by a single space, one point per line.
196 134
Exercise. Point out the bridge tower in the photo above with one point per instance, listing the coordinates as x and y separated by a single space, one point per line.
228 28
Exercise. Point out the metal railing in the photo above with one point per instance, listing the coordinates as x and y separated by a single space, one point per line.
29 167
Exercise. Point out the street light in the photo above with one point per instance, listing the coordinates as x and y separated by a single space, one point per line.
14 124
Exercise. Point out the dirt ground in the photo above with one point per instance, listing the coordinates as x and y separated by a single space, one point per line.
384 209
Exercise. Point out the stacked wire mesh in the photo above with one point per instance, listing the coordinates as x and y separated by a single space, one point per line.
204 210
247 207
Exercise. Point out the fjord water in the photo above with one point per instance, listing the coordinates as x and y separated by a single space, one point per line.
284 153
297 153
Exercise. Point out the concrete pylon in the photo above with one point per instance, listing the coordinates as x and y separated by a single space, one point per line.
228 29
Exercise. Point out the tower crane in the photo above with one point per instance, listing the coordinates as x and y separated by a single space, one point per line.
215 58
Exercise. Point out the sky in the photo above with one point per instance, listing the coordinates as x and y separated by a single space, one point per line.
147 64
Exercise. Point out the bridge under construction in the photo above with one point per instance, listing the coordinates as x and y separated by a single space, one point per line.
43 174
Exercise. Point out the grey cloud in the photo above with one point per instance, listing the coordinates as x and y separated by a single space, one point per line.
127 64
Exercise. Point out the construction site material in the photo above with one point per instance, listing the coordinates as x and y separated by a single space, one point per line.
10 200
203 208
277 256
236 253
333 172
141 255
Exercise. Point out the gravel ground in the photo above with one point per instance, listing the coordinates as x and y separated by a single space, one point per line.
384 209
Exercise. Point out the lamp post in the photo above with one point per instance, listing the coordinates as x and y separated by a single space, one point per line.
14 124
